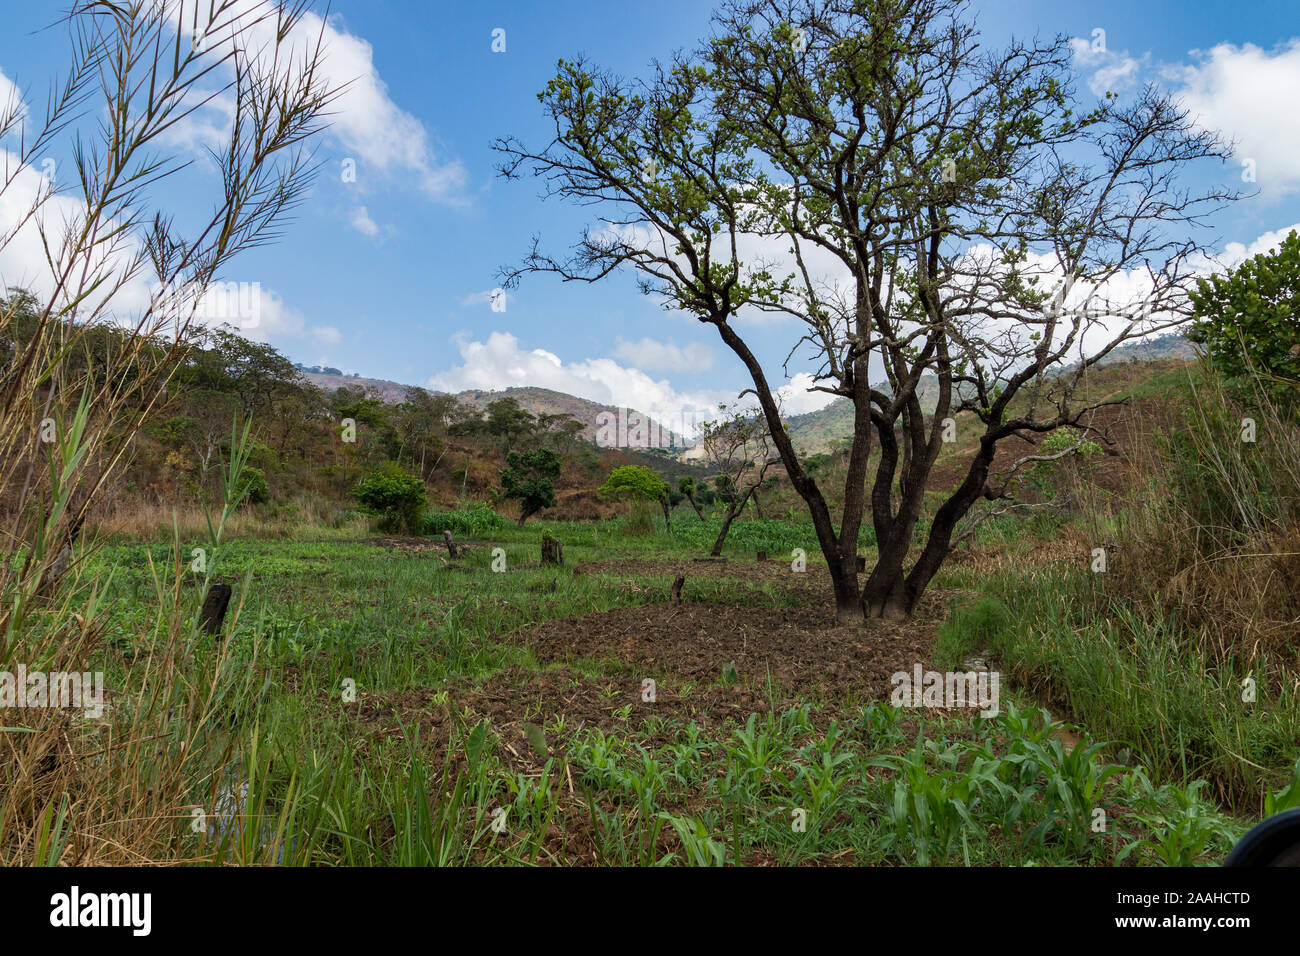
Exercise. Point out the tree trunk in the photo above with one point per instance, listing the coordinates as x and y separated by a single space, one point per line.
552 551
722 535
733 509
758 509
690 496
668 508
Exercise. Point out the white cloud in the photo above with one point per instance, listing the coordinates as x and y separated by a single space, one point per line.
1112 72
371 127
487 297
240 301
1235 253
11 98
1250 94
383 139
500 363
362 222
796 399
665 356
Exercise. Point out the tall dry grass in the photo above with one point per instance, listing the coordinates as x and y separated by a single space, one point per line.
1218 543
83 364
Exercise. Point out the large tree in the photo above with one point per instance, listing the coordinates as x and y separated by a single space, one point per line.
922 205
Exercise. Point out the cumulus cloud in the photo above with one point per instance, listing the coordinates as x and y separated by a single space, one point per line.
797 398
1112 72
501 363
11 98
381 138
239 301
665 356
1248 93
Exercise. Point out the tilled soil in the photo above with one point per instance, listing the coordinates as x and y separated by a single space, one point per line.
710 663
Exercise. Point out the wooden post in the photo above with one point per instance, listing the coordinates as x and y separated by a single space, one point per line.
552 551
214 608
451 545
677 589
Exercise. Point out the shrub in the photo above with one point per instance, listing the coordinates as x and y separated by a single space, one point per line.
394 495
1249 320
530 477
253 486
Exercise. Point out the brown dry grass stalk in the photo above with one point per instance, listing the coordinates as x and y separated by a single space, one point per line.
83 365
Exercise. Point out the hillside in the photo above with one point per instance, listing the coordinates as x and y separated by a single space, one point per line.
819 431
536 401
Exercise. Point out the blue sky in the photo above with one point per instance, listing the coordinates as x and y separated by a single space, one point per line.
388 275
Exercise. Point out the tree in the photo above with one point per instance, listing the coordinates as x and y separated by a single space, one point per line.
530 477
1249 320
736 446
686 485
422 423
637 482
507 420
394 495
922 205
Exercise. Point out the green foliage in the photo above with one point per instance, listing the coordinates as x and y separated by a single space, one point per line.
253 486
1227 489
507 420
970 627
530 477
633 481
394 495
1249 320
473 521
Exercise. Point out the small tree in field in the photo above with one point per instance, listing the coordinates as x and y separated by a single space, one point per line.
686 485
919 204
1249 319
638 483
394 495
530 477
736 445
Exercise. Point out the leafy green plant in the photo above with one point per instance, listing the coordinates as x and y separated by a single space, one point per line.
394 495
1249 320
530 478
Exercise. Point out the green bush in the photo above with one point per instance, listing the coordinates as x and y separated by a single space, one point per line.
394 495
1249 321
530 477
253 486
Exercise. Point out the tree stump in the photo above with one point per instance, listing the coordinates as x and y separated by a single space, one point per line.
552 551
677 589
762 555
451 545
214 608
862 564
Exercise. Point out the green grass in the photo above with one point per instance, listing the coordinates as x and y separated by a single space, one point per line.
793 786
